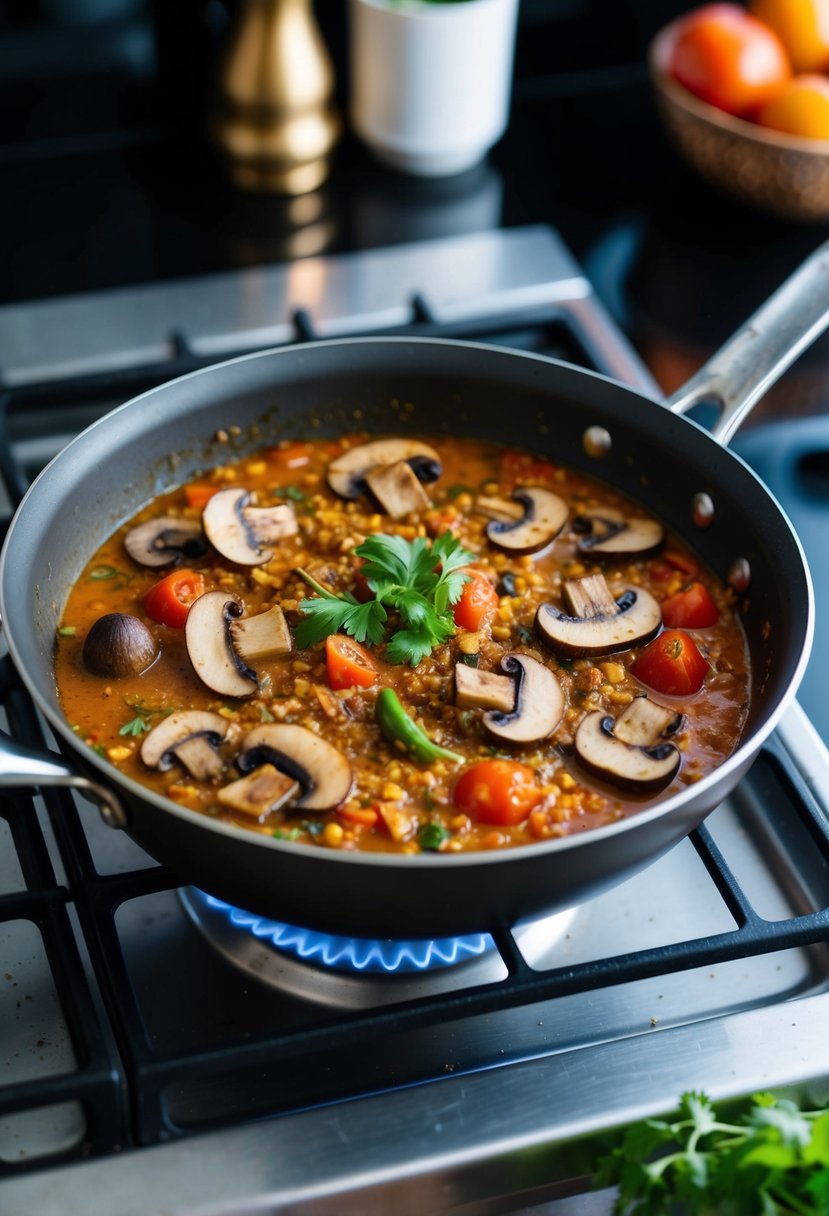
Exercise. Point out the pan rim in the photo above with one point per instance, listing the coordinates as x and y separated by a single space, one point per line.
746 749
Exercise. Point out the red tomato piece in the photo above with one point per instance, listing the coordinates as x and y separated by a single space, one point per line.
478 601
692 608
168 602
671 664
348 664
497 791
729 58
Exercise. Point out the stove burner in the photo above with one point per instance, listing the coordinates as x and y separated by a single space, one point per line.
347 973
354 953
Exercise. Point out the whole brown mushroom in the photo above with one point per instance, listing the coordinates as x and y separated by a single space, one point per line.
118 645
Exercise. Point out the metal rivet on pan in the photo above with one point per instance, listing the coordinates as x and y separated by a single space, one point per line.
702 510
597 442
739 575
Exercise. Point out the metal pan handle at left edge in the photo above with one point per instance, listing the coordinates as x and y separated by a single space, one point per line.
22 767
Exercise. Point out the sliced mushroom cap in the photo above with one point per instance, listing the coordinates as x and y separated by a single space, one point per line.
600 624
241 531
626 752
347 474
210 645
538 705
612 534
118 645
545 514
321 770
165 541
191 738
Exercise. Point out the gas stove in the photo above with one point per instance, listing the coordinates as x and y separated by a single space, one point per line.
167 1053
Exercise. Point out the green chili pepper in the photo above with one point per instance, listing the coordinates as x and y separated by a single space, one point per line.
398 727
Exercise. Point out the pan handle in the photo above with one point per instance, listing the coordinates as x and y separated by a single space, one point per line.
740 372
22 766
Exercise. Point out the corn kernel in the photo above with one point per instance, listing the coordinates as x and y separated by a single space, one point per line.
618 697
332 835
501 633
565 782
302 687
117 754
614 673
392 792
301 666
256 468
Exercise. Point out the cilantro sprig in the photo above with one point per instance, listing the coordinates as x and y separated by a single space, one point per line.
772 1162
416 580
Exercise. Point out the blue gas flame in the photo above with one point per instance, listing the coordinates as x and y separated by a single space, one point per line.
356 953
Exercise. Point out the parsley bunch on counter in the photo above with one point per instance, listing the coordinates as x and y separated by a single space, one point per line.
417 580
773 1162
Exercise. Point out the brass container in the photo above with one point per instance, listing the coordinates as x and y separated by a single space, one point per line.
275 124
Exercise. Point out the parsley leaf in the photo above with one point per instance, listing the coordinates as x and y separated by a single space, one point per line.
775 1160
417 580
136 726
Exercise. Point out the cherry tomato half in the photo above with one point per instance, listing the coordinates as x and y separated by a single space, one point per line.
671 664
168 602
348 664
497 791
728 58
692 608
479 599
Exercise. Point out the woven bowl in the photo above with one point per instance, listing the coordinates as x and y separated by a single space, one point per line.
785 175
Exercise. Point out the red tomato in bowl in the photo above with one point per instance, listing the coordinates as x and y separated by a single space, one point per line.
671 664
479 599
728 58
168 602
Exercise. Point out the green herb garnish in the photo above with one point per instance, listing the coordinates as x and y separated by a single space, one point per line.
67 631
775 1160
417 580
265 714
291 834
292 492
135 726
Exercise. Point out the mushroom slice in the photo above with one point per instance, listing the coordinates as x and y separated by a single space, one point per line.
241 531
165 541
347 474
475 689
191 738
323 772
209 639
263 790
599 624
537 707
627 752
504 509
612 534
545 514
264 636
398 490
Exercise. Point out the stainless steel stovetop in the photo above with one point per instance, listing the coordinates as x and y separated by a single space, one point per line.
147 1071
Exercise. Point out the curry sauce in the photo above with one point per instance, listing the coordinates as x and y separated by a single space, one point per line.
486 776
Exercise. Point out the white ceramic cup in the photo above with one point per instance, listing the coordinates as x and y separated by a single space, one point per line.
431 83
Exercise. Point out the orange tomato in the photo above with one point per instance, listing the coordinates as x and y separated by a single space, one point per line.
479 600
348 664
800 108
497 791
803 28
728 58
168 602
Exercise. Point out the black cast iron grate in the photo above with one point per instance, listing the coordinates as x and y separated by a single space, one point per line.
132 1096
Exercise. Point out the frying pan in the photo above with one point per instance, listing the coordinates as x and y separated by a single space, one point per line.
677 470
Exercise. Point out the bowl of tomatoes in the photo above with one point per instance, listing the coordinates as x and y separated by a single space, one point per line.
744 94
